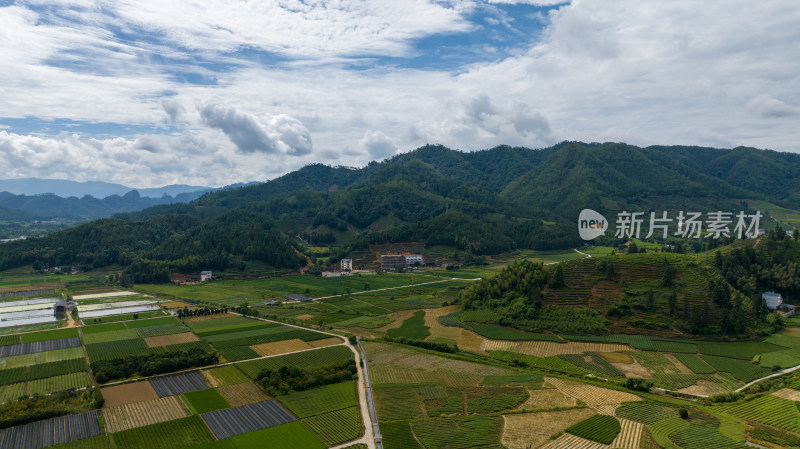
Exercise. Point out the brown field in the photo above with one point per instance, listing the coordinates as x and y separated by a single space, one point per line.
325 342
704 388
91 291
568 441
548 348
527 430
242 394
633 369
788 393
174 339
683 369
280 347
177 305
305 317
603 400
499 345
793 331
449 334
631 435
128 393
470 341
383 356
128 416
549 398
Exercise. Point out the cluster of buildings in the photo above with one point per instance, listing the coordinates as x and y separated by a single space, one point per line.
774 302
392 262
188 279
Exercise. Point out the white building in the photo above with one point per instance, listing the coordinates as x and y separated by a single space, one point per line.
206 276
772 300
413 260
347 264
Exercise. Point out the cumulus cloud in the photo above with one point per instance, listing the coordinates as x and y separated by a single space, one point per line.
277 134
174 109
377 145
769 107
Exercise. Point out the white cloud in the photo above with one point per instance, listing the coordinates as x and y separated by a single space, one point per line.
769 107
277 134
377 145
641 71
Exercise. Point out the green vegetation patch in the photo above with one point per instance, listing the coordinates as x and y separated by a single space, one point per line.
397 435
44 370
105 337
661 430
497 332
97 328
208 400
292 435
547 363
645 412
460 432
319 400
228 375
8 340
136 324
600 428
413 328
592 362
97 442
33 337
678 346
338 426
740 369
494 399
695 363
13 375
173 434
366 322
528 380
400 401
771 410
744 350
306 359
770 435
642 342
704 432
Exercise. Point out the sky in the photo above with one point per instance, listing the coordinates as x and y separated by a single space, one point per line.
151 92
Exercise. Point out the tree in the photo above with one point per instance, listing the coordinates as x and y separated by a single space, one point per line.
558 278
667 274
672 300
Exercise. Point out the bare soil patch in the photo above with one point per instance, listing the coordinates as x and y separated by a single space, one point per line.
631 435
174 339
527 430
616 357
603 400
568 441
788 393
633 369
470 341
549 398
280 347
683 369
306 316
128 393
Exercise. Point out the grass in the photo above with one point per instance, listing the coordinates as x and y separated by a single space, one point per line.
321 399
745 350
302 360
177 433
136 324
413 328
397 435
228 375
600 428
208 400
292 435
460 433
695 363
49 335
740 369
338 426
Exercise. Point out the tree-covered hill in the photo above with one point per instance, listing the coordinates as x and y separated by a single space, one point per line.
482 202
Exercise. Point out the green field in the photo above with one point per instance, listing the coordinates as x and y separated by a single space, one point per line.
307 359
695 363
177 433
459 433
320 400
413 328
645 412
292 435
770 410
600 428
202 401
228 375
338 426
49 335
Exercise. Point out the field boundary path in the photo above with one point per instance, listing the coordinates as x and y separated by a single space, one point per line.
779 373
395 288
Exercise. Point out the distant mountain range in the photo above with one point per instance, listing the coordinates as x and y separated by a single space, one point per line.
482 202
97 189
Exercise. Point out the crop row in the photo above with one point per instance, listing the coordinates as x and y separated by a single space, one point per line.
337 426
645 412
600 428
302 360
595 363
319 400
459 433
51 431
740 369
39 346
771 410
247 418
695 363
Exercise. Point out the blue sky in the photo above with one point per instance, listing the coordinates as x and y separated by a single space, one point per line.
147 92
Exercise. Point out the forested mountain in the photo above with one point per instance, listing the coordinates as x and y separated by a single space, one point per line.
482 202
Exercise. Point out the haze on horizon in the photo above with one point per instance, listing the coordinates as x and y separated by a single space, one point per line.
150 93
